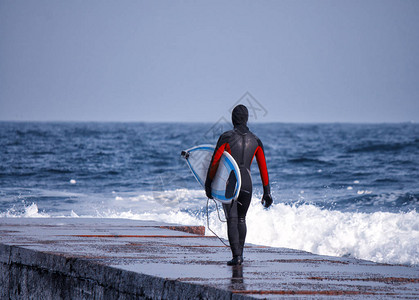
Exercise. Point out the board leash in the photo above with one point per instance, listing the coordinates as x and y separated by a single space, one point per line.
218 218
218 212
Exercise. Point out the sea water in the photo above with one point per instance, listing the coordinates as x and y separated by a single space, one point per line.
338 189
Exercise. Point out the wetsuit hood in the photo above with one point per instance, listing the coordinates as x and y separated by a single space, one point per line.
239 116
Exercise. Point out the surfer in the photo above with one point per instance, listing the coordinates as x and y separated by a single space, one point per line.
243 145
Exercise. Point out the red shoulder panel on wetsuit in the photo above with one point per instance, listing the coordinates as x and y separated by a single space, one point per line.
216 159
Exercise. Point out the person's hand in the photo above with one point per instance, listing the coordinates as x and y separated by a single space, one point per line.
267 198
208 189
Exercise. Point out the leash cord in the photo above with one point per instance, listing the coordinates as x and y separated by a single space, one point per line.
209 226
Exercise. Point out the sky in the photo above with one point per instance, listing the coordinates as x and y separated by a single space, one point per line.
191 61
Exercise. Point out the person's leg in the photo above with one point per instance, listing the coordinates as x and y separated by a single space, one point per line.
245 199
236 225
231 214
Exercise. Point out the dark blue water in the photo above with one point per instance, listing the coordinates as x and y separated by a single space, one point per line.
338 189
339 166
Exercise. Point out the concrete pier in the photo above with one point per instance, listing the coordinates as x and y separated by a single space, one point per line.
124 259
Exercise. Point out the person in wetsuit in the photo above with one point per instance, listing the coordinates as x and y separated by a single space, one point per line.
243 145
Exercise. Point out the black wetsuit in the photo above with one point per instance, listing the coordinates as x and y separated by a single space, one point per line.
243 145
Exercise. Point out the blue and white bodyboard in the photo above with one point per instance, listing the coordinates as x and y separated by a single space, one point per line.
226 182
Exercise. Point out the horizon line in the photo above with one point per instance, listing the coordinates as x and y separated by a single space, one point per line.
209 122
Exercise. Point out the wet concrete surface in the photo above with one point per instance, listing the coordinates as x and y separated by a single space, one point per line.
129 259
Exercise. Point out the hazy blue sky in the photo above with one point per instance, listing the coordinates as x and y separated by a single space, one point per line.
304 61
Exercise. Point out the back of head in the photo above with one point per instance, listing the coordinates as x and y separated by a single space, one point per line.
240 115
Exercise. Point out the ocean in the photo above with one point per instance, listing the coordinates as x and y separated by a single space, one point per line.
338 189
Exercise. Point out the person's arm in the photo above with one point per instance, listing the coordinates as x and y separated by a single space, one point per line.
222 146
263 169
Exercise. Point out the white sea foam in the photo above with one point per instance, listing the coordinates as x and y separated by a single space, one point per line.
381 236
73 214
29 211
